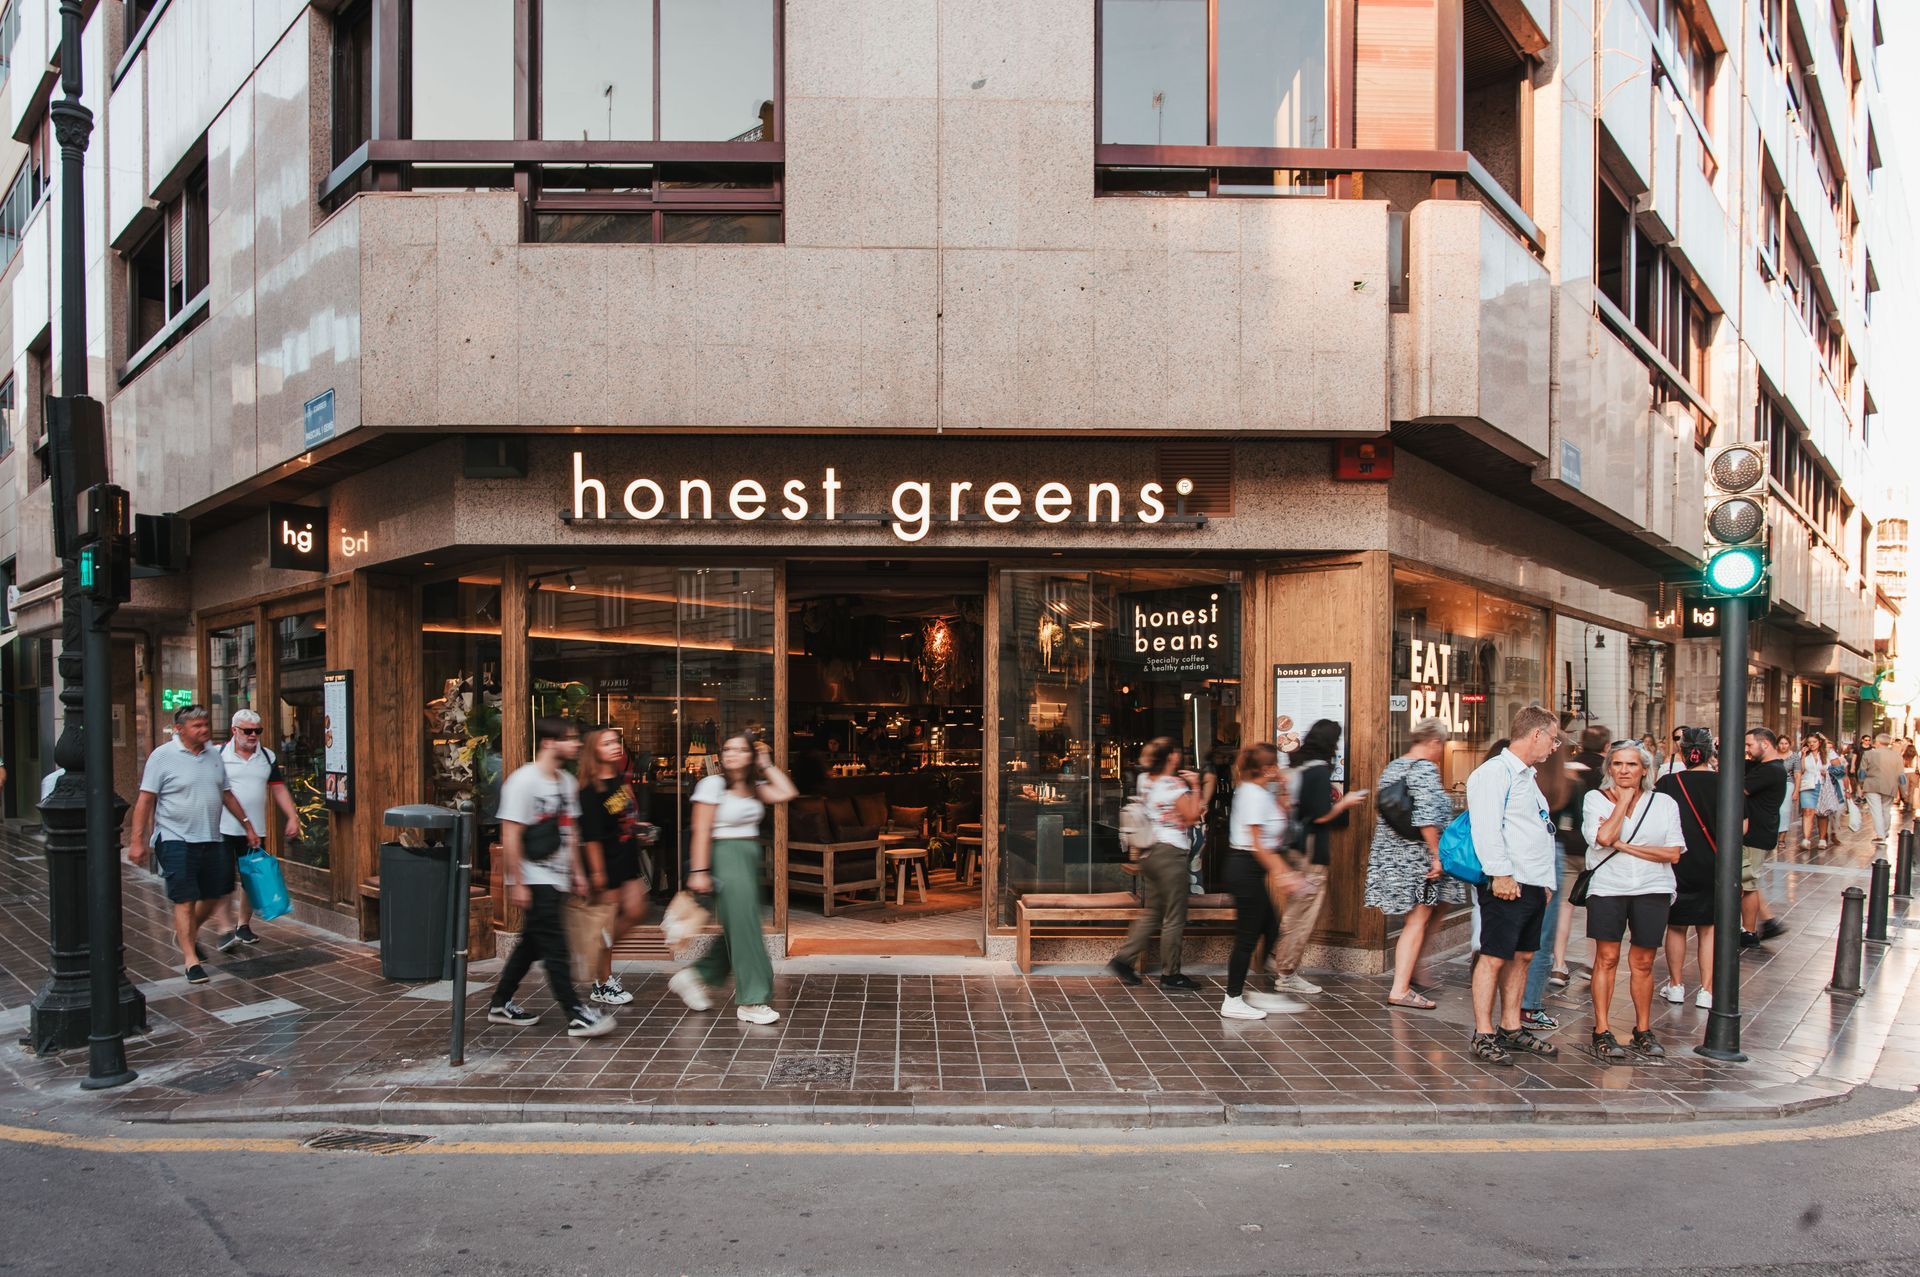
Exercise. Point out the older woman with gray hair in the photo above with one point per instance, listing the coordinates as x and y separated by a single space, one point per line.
1403 865
1634 838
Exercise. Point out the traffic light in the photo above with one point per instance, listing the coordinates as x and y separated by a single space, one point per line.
106 552
1736 522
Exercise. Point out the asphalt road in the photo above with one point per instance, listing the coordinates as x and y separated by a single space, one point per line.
1833 1194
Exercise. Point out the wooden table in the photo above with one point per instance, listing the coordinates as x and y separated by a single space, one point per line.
813 868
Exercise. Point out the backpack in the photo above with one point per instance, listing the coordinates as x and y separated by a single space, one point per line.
1457 856
1136 828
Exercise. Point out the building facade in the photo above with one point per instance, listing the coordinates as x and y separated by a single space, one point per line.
961 394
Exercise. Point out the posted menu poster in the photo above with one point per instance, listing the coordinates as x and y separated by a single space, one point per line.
337 743
1304 694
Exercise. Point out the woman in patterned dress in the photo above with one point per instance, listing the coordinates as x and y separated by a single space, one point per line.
1404 877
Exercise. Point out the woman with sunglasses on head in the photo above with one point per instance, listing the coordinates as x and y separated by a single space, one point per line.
1633 841
725 862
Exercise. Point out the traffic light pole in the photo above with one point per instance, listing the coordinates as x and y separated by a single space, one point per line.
86 998
1723 1022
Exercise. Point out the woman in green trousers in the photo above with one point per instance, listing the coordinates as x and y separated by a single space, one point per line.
725 860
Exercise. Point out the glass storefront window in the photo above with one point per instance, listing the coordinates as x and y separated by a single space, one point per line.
299 729
460 694
460 69
1092 666
1464 656
678 658
233 678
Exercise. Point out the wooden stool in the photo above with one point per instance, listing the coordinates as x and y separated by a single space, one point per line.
909 860
968 862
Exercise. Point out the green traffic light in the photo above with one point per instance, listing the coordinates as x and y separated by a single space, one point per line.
86 569
1732 573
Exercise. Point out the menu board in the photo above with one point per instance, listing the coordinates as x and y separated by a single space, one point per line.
1304 694
337 742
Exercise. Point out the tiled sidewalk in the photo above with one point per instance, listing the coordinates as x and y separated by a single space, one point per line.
304 1027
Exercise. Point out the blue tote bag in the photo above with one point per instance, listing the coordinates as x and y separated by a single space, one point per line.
266 887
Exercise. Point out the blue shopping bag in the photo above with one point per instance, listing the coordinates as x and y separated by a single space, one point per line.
266 888
1457 856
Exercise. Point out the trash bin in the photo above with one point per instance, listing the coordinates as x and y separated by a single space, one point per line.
415 896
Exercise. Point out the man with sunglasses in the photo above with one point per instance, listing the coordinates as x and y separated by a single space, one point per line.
182 791
253 774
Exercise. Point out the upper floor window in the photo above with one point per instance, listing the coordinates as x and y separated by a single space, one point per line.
138 11
6 416
1268 86
1648 292
632 116
167 273
9 32
1773 26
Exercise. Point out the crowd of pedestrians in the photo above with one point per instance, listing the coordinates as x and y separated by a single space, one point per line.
1553 824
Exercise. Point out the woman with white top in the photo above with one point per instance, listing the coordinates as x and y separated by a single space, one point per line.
1257 832
725 861
1633 841
1171 796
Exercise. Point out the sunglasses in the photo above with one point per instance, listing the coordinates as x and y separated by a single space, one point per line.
248 731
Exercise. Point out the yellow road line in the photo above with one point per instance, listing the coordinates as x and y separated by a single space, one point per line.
1899 1119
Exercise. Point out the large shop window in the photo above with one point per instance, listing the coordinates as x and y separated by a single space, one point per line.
299 727
645 121
1093 665
233 677
460 673
1466 657
677 658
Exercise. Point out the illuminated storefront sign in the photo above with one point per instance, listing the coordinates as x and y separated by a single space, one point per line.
914 506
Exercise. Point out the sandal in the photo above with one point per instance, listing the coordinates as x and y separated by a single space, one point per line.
1558 978
1487 1049
1522 1040
1413 1002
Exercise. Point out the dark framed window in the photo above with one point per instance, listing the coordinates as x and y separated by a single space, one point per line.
621 121
16 210
6 416
167 272
138 11
1650 301
9 32
39 386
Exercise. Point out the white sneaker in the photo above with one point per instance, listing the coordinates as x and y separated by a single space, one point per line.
691 991
589 1023
1704 999
613 982
1674 993
1295 983
1237 1009
611 994
757 1014
1279 1002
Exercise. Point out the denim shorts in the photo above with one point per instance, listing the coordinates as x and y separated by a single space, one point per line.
196 870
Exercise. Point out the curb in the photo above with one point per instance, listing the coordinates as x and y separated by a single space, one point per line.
1068 1110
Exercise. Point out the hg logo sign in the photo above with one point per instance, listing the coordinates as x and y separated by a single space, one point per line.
297 537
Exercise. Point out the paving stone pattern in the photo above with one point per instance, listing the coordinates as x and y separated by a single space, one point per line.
304 1027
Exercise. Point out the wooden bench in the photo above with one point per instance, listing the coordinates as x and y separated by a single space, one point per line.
1067 915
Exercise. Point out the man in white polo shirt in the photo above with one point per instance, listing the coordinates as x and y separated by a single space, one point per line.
253 774
181 794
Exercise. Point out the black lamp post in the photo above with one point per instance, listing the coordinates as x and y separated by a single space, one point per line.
86 998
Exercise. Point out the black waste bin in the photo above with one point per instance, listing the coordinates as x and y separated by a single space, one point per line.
415 892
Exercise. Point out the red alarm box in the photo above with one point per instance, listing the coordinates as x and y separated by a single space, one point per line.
1362 460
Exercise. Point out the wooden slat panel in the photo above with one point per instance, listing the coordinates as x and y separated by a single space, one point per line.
1333 610
1395 82
1210 466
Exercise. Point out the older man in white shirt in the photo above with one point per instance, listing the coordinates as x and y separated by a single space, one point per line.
1513 835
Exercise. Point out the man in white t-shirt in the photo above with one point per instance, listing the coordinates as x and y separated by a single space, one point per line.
253 777
539 830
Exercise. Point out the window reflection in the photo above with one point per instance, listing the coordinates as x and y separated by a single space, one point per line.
233 674
460 69
596 70
1153 72
716 70
1273 73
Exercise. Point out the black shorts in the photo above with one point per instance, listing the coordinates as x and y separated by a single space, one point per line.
195 871
623 864
1692 909
1508 927
1610 918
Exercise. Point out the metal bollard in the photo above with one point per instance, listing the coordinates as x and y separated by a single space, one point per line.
1847 951
1903 874
1877 901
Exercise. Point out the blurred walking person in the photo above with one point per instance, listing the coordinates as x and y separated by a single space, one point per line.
1173 803
1404 879
1255 873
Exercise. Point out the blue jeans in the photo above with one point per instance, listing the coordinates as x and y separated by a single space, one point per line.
1534 999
